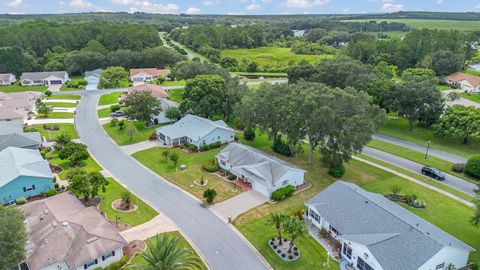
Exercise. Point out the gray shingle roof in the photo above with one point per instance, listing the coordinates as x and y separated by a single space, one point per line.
42 75
94 73
6 76
29 140
390 232
192 126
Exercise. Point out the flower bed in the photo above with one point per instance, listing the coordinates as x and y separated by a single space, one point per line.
282 251
410 200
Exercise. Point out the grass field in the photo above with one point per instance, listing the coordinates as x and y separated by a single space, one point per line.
56 115
65 96
73 79
435 24
181 243
441 87
122 138
52 135
397 128
62 104
114 191
152 158
90 165
108 99
473 72
272 56
471 97
176 95
19 88
174 83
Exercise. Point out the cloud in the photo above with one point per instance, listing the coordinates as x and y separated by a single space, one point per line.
148 7
392 7
82 4
305 3
253 7
477 7
439 2
15 3
208 3
193 10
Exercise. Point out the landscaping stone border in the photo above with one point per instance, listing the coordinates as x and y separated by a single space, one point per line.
282 251
135 207
197 182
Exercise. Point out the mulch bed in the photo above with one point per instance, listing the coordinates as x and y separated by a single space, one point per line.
120 226
56 169
282 251
133 248
93 202
120 206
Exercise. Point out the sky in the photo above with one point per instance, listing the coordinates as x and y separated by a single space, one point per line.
236 7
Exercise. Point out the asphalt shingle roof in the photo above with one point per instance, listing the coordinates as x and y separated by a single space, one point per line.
42 75
192 126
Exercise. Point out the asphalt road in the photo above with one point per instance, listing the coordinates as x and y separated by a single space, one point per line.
450 180
221 247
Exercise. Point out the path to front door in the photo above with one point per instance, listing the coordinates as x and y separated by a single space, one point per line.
238 205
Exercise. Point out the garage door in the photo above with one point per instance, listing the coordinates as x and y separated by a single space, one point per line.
261 189
55 82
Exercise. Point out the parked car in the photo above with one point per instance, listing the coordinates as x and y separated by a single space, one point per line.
117 114
433 173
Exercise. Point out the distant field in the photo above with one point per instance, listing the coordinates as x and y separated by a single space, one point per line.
18 88
272 56
434 24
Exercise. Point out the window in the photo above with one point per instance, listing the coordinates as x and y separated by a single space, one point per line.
87 265
25 189
111 254
223 163
440 266
284 183
219 137
362 265
334 230
315 216
347 250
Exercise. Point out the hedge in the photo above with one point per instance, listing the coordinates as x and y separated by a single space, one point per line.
210 165
283 193
472 167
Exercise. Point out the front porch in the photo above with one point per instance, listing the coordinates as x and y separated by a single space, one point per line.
330 244
244 185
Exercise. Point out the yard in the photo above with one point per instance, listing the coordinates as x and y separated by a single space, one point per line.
176 95
182 243
114 191
61 104
65 96
75 80
397 128
174 83
440 210
108 99
52 135
473 71
56 115
19 88
471 97
90 165
121 137
153 159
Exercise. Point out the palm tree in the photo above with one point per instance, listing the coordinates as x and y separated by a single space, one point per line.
277 219
296 229
164 253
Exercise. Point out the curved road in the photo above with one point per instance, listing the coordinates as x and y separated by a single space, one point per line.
221 247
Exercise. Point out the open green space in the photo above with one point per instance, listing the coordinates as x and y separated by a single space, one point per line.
152 158
103 113
418 157
56 115
472 71
471 97
433 24
19 88
442 87
65 96
62 104
440 210
111 98
114 191
90 165
176 95
260 74
174 83
74 80
183 243
52 135
121 137
398 128
272 56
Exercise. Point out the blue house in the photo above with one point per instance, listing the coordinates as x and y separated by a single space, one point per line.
23 173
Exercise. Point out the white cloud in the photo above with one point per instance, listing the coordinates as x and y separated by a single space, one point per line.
208 3
305 3
15 3
253 7
82 4
147 6
392 7
346 10
439 2
193 10
477 7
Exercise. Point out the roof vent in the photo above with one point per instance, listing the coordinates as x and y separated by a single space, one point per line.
65 224
366 201
91 240
54 224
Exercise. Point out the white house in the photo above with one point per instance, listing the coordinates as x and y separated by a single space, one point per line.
161 118
195 130
44 78
7 79
147 74
378 234
464 81
64 234
93 79
264 173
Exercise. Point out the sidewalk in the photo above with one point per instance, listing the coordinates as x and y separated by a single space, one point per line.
158 224
60 100
49 121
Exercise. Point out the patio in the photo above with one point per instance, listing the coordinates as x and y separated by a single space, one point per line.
243 185
328 243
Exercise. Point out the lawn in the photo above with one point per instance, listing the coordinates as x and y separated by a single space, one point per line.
65 96
174 83
153 159
19 88
473 71
434 24
260 74
272 56
442 87
447 214
183 243
62 104
398 128
176 95
122 138
103 113
108 99
471 97
56 115
90 165
114 191
74 79
52 135
418 157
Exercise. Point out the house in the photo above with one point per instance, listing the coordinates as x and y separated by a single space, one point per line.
23 173
12 135
7 79
93 79
376 233
195 130
464 81
64 234
161 118
17 104
147 74
262 172
44 78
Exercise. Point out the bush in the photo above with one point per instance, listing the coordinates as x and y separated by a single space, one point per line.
231 176
209 195
204 148
115 108
51 192
296 253
82 82
153 136
458 167
21 200
56 185
48 93
290 257
191 147
210 165
214 145
282 193
278 250
281 147
337 171
114 122
249 134
472 167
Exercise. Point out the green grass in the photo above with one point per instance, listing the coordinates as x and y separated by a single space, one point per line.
473 71
262 74
90 165
73 79
64 127
122 138
418 157
183 243
19 88
56 115
442 211
105 112
108 99
398 128
152 158
65 96
272 56
62 104
114 191
435 24
176 95
174 83
471 97
442 87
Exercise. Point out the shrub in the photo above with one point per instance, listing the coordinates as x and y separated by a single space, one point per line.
51 192
214 145
210 165
114 122
231 176
115 108
274 247
191 147
82 82
204 148
337 171
283 255
290 257
48 93
209 195
56 185
153 136
296 253
278 251
21 200
458 167
249 134
472 167
281 147
282 193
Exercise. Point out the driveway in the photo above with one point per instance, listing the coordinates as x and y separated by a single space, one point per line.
133 148
91 86
54 87
221 246
238 205
158 224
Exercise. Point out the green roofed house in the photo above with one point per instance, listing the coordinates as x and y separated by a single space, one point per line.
23 173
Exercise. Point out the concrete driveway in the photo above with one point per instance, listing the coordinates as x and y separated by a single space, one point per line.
133 148
54 87
158 224
238 205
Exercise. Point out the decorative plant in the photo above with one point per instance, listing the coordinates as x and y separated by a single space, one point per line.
209 195
278 219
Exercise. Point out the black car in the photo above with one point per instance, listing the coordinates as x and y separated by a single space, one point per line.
117 114
434 173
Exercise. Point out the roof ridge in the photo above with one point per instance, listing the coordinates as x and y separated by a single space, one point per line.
268 156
